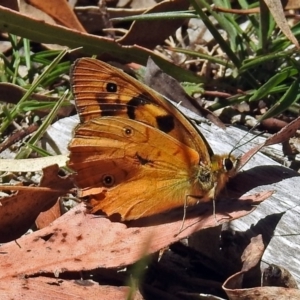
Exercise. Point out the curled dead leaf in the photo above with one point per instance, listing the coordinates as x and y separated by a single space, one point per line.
19 211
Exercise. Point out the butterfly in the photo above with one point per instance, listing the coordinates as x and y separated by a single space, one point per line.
134 153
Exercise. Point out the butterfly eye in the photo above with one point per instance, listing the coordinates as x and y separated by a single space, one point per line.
128 132
228 164
108 180
111 87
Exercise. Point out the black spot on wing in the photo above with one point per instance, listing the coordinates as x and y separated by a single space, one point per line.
109 108
165 123
142 160
134 103
111 87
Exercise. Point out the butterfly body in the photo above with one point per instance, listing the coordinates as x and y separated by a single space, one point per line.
134 153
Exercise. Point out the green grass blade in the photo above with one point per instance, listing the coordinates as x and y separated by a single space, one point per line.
292 95
272 83
25 151
14 112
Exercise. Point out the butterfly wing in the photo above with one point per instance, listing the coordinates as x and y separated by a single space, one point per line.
135 170
102 90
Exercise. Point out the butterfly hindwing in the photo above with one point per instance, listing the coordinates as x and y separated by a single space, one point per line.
125 161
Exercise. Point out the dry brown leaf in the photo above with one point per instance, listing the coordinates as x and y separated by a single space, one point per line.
32 12
263 293
19 211
12 93
160 29
49 289
168 86
284 134
276 9
94 19
278 276
291 4
78 241
17 136
251 258
272 125
47 217
60 11
253 253
136 52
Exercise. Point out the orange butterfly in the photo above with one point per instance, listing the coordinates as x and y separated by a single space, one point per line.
134 153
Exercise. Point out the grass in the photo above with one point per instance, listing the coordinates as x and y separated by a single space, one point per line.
255 64
261 63
41 71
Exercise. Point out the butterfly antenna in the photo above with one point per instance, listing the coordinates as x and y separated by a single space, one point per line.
238 145
250 131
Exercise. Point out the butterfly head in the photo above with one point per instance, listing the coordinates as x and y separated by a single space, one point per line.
223 168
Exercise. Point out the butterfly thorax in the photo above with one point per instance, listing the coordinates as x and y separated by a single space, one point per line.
201 183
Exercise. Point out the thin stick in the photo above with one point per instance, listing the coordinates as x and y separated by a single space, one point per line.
32 189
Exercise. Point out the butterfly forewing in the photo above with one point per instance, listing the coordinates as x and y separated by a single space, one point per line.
101 90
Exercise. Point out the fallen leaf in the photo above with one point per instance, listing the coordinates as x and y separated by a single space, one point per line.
253 253
79 241
60 11
50 288
263 293
19 211
160 29
168 86
12 93
278 276
233 286
17 136
284 134
47 217
276 9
